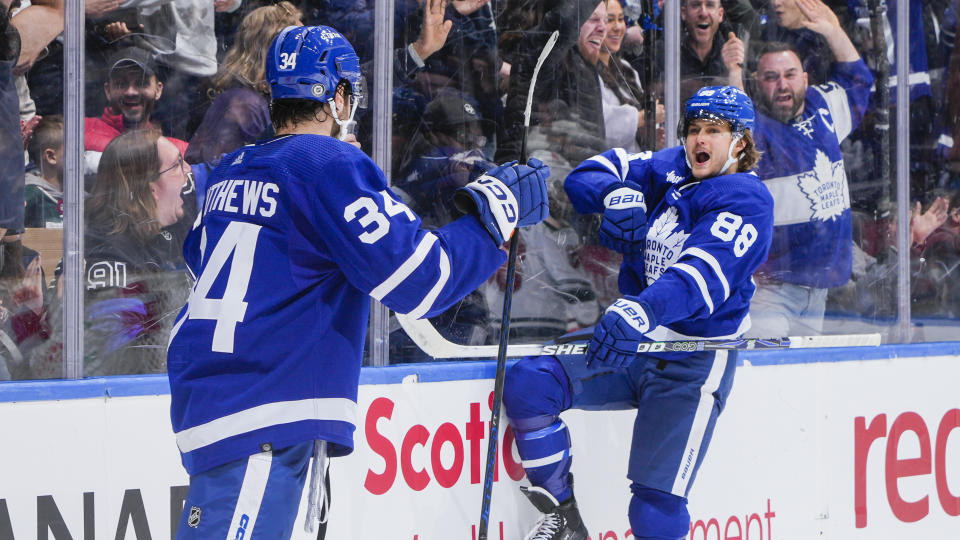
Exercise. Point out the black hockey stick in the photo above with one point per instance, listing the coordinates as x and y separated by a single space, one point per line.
494 433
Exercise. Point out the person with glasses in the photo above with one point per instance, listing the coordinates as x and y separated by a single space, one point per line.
136 278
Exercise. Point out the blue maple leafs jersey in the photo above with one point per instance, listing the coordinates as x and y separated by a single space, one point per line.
295 235
705 239
802 165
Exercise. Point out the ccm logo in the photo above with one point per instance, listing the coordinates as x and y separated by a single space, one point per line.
242 529
895 467
496 188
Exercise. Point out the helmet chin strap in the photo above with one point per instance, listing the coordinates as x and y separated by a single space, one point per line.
730 159
342 123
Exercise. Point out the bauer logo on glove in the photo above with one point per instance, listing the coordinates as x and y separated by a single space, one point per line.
624 198
632 313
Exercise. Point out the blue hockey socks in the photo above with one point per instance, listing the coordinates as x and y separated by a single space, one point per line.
657 515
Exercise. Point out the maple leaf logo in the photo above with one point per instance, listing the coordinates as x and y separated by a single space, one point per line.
664 244
663 230
826 188
673 178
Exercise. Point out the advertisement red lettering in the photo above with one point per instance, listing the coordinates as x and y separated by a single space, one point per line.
896 466
427 454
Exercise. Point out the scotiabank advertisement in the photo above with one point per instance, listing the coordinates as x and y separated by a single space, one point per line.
806 449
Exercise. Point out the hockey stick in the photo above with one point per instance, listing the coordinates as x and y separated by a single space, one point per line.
434 344
505 318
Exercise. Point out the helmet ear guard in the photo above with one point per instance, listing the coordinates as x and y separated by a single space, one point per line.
309 62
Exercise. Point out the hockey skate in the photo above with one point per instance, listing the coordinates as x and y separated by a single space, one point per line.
560 521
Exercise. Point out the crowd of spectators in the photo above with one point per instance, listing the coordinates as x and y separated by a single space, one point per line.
172 85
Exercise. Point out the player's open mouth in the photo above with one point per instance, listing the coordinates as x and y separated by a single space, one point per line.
701 157
784 98
703 26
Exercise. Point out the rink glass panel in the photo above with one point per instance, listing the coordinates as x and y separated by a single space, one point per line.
449 121
34 184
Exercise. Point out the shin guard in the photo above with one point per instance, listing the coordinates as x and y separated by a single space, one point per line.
546 455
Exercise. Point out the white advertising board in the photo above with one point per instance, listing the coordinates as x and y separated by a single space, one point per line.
833 450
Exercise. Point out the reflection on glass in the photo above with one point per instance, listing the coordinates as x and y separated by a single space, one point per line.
461 72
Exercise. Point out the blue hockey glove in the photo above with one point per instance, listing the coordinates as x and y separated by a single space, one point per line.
624 224
507 197
619 333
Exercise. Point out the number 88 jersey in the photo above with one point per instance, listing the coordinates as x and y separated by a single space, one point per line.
295 236
705 239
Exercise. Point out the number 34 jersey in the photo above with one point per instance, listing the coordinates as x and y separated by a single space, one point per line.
705 239
295 236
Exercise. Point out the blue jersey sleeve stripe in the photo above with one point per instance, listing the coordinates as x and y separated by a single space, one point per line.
403 272
601 159
701 283
714 264
427 304
266 415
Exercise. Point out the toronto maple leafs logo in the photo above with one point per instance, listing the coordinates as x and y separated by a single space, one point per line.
673 178
826 188
665 241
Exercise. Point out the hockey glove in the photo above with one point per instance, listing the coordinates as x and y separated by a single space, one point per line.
507 197
619 333
624 224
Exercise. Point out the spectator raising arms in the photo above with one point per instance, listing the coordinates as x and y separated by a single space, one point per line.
799 131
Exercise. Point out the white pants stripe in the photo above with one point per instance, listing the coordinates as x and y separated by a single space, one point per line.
251 496
700 421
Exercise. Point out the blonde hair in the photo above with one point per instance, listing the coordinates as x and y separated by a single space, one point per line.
245 62
749 156
121 195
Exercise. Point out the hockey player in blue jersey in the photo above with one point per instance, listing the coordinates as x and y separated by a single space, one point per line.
693 225
296 234
799 131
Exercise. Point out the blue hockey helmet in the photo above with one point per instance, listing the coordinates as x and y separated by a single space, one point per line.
308 62
727 103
